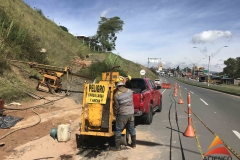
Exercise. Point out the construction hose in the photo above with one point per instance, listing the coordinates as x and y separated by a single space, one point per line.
23 127
33 107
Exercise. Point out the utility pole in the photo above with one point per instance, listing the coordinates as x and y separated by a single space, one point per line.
148 62
193 71
208 80
186 73
209 58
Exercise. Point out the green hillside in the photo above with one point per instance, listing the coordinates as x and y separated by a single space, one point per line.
25 33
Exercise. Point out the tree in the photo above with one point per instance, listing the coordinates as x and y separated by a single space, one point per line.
178 69
187 69
237 73
107 29
94 43
154 70
172 70
231 67
39 11
64 28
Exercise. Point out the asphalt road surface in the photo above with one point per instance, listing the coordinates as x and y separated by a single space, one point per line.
217 114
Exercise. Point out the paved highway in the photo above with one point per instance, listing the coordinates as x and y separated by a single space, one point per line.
219 112
164 139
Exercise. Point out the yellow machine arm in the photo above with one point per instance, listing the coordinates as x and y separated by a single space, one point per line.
51 80
124 79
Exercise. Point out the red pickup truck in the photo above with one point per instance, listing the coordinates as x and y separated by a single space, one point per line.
147 98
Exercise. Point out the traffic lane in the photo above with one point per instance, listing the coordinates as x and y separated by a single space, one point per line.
205 134
215 123
226 105
204 137
189 141
169 126
215 115
163 79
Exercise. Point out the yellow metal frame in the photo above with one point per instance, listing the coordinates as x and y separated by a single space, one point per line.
85 110
54 85
94 130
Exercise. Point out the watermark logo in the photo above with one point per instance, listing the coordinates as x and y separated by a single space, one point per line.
217 151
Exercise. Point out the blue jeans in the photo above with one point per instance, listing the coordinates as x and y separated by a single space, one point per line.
123 121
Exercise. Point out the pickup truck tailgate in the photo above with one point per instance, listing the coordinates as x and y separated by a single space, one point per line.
136 100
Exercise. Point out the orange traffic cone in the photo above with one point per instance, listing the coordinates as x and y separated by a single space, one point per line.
189 131
180 100
176 87
175 93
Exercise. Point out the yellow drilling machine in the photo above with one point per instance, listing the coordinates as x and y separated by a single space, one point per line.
97 108
51 80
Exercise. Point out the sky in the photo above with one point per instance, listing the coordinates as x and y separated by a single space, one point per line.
163 29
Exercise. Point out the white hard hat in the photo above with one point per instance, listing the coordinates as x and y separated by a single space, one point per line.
120 83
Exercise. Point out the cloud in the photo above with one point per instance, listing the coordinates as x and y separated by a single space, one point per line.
103 14
210 36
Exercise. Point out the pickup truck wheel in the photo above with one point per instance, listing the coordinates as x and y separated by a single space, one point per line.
160 107
149 116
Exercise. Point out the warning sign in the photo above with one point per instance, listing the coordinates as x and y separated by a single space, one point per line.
97 93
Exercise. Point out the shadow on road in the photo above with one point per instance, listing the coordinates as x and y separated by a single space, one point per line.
92 146
65 157
43 158
147 143
175 130
94 142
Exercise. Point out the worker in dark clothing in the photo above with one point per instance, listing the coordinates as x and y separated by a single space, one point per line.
124 112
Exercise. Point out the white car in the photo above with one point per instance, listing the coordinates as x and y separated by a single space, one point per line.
158 83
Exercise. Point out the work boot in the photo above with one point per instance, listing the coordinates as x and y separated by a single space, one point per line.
133 138
117 144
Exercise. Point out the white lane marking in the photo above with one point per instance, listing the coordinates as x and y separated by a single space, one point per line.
164 91
185 88
191 92
203 101
237 134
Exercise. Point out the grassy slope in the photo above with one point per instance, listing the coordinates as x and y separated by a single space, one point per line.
61 48
60 45
131 68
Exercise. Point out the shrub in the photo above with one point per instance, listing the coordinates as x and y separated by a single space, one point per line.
95 70
3 66
39 11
